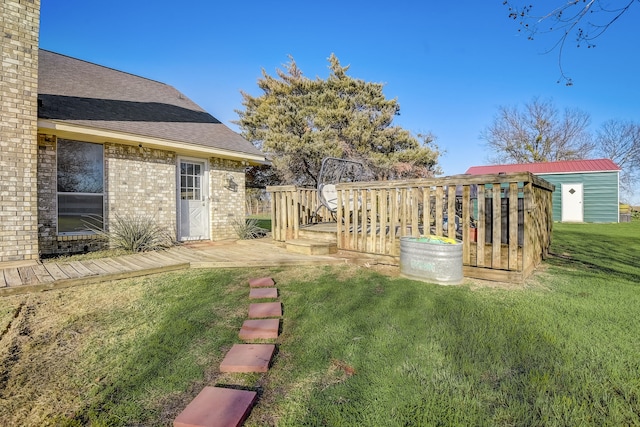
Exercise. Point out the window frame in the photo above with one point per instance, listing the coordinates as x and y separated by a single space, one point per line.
100 195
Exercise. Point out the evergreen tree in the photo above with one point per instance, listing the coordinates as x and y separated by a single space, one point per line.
298 122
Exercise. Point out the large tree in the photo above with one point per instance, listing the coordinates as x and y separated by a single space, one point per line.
298 121
575 21
537 133
619 141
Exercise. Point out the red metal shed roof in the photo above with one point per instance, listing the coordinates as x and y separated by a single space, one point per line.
567 166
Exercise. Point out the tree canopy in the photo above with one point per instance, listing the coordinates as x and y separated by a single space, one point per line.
577 21
538 133
298 121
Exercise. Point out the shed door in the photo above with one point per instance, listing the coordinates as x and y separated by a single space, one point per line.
192 201
572 206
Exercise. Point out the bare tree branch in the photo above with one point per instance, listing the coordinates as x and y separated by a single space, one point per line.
586 20
538 133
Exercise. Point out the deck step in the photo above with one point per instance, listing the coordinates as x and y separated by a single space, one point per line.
217 407
311 247
319 234
248 358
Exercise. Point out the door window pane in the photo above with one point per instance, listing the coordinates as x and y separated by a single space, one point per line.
190 181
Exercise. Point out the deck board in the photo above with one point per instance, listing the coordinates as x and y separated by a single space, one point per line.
80 268
169 259
142 262
12 277
125 260
102 263
28 276
42 274
55 271
120 267
155 259
179 254
95 268
70 271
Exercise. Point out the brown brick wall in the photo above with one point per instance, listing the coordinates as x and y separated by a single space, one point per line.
19 27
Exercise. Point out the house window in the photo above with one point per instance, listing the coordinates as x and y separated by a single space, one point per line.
80 182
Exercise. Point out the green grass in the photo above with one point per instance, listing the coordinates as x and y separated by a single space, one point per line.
357 348
563 352
263 221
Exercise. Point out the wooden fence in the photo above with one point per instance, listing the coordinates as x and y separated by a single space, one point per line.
504 221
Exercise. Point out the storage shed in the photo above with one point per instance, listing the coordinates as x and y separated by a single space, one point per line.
586 190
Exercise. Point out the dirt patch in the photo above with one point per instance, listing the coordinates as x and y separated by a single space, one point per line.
17 334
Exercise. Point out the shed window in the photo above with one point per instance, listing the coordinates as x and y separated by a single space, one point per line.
80 181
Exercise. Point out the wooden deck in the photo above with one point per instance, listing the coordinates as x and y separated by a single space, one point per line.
249 253
508 215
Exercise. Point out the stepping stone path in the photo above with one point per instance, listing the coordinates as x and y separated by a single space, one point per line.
229 407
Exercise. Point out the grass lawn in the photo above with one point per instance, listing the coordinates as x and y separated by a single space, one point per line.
357 348
263 220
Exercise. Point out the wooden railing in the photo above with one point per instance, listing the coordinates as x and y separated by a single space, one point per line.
293 207
504 221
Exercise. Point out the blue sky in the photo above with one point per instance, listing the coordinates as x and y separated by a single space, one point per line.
449 64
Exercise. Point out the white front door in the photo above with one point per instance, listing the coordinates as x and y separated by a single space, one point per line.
572 207
193 212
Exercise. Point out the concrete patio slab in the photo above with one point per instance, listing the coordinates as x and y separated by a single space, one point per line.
261 282
265 309
248 358
261 293
217 407
259 329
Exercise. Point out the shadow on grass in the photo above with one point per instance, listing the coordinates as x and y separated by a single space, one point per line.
164 360
584 249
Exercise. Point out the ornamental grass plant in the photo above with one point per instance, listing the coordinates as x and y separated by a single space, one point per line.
137 233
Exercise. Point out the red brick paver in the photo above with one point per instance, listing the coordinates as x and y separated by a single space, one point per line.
248 358
259 329
265 309
260 282
260 293
217 407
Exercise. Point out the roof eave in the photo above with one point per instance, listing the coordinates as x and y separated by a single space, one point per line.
89 134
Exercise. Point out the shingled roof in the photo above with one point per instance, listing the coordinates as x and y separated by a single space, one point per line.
81 93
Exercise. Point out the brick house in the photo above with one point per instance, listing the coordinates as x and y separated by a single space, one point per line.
81 143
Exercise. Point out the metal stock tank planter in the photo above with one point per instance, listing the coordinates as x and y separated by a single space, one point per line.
431 259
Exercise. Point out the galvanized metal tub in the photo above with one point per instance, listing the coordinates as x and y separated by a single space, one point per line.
430 260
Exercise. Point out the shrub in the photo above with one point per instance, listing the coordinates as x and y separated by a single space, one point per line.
248 228
136 234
